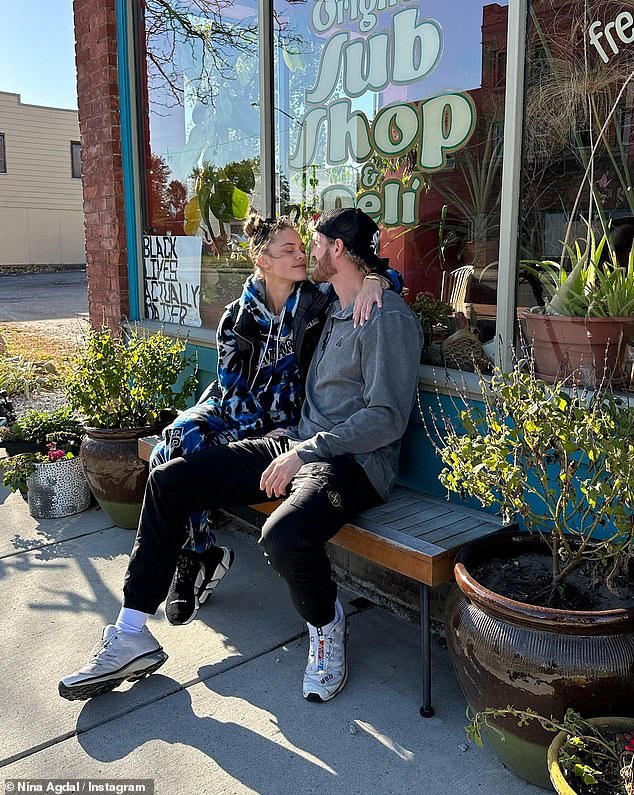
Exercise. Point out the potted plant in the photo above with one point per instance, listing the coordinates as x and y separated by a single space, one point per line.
588 319
53 482
543 619
125 388
432 313
222 198
587 757
28 434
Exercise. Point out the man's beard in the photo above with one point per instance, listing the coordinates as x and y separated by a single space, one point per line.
324 269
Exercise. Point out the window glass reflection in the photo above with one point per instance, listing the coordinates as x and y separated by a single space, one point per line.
400 111
202 154
577 208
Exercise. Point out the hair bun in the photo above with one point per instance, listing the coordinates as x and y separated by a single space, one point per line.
252 224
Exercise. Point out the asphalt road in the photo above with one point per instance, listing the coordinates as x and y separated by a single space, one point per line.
43 296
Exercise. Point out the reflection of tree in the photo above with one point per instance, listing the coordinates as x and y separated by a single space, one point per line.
570 95
167 198
212 38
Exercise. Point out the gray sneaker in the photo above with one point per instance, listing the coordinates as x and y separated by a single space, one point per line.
327 670
118 656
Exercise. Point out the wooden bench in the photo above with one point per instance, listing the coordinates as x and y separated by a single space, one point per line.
412 534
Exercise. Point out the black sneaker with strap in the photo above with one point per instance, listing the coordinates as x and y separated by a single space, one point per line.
195 579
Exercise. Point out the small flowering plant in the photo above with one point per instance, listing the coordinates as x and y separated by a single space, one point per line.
17 469
593 761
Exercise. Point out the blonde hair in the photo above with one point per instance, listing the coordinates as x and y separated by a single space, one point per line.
261 232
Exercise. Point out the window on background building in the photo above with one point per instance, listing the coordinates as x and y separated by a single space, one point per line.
398 111
75 159
576 176
3 156
201 151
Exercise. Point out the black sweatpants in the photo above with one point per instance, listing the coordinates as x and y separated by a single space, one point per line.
322 497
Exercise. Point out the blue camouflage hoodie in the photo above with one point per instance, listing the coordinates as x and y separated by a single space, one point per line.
269 392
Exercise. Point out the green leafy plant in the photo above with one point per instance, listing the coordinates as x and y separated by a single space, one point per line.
596 285
19 376
588 755
129 382
35 426
431 312
17 469
561 459
222 194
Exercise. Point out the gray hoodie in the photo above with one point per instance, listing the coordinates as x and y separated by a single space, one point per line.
360 389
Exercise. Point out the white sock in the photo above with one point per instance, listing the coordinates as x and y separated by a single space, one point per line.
131 621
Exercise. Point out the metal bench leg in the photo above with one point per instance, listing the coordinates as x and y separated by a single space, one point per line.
427 711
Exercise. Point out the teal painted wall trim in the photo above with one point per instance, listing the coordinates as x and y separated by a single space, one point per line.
127 138
207 365
419 464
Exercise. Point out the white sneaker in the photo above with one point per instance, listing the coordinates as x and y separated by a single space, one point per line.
327 670
117 657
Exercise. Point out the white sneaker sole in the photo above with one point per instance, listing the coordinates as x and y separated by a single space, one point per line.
136 669
219 572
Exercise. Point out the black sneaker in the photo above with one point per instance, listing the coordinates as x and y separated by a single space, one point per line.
195 579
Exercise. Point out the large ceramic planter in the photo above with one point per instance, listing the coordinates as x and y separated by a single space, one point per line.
605 725
588 348
511 653
114 471
58 488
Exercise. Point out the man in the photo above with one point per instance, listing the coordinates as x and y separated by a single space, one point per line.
340 460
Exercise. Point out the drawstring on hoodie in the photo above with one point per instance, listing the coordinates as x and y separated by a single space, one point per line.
277 348
251 300
265 350
263 354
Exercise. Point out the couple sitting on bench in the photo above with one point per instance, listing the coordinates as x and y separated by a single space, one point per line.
340 459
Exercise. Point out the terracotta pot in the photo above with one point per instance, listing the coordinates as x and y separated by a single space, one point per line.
589 348
114 471
605 725
57 489
511 653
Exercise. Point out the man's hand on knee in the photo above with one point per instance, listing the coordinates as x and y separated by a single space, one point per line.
279 473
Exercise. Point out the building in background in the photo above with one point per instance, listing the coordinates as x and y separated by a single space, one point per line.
41 203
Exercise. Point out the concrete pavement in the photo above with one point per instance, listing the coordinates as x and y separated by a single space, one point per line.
42 296
225 714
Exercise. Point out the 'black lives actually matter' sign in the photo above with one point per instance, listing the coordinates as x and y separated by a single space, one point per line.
171 266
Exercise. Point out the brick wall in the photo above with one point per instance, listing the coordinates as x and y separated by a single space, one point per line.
102 169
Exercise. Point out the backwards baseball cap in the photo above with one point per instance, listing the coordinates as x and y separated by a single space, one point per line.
357 231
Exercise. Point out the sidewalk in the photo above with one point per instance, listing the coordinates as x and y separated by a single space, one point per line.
225 714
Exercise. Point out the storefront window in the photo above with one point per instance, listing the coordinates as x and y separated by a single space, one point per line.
577 164
200 77
398 108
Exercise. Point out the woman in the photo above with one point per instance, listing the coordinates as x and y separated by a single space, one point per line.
265 340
